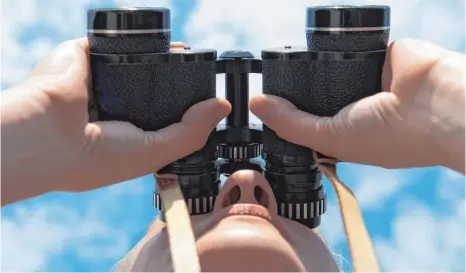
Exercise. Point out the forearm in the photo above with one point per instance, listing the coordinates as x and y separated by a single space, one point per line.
25 168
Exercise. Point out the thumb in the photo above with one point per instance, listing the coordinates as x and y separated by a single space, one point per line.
294 125
133 152
341 136
189 135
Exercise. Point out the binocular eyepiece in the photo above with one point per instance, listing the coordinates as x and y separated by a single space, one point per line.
137 79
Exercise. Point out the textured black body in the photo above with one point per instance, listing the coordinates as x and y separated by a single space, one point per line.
341 64
319 87
152 96
347 42
130 44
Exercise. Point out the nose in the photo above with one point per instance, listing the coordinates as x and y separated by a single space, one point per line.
246 187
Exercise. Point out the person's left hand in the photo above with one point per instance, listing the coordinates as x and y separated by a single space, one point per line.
57 143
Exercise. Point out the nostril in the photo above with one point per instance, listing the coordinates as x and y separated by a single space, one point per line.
232 197
261 196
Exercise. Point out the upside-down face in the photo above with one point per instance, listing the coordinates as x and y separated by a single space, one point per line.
243 233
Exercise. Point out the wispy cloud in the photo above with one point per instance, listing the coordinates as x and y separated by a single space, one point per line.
425 240
451 186
18 18
374 187
332 226
33 237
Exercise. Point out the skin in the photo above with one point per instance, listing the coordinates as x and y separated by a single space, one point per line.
418 121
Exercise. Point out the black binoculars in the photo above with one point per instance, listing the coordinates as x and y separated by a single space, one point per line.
137 79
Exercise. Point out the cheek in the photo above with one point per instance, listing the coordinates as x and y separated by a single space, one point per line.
312 250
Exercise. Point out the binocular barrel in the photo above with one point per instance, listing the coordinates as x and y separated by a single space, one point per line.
342 64
137 79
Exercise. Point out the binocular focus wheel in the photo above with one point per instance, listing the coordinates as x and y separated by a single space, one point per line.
196 206
303 211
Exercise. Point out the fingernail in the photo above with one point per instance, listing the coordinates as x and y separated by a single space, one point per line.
178 44
166 182
222 109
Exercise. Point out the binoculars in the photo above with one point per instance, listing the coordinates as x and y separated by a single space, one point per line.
137 79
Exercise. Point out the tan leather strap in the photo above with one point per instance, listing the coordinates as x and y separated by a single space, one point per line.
359 242
180 233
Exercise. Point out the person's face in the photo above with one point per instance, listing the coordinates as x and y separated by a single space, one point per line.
244 233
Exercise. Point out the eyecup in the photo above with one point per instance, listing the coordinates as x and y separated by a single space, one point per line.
141 20
347 16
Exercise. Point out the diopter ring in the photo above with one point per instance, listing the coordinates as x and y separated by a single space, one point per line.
196 206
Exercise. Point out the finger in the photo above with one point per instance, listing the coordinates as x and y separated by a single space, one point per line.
83 44
292 124
181 139
178 45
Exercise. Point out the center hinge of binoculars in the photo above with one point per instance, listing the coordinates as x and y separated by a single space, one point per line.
238 139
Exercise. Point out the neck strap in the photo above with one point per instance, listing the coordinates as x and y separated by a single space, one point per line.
180 233
359 243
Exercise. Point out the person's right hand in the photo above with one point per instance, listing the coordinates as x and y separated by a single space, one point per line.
419 122
55 144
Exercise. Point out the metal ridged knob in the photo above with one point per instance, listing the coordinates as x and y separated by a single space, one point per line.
302 211
200 205
239 152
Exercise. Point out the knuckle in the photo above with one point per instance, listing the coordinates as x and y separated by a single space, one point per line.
284 128
327 130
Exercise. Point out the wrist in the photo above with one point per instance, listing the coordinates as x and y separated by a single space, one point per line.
31 156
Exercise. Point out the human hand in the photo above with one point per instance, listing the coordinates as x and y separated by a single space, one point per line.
419 122
49 139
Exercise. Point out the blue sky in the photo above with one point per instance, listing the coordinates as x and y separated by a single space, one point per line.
416 217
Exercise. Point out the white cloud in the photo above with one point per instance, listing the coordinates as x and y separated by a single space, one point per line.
266 23
35 235
423 240
374 186
18 16
451 185
422 237
332 226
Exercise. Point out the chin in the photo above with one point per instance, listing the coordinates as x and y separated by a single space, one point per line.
246 243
